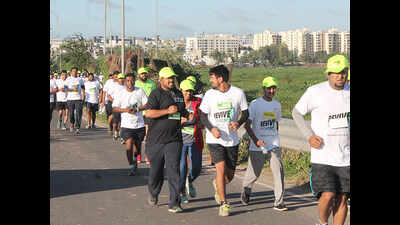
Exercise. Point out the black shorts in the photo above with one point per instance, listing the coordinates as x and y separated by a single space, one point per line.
221 153
116 117
109 108
61 106
136 134
92 106
326 178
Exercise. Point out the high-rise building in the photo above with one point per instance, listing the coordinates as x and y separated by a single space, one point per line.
345 42
298 41
207 43
265 39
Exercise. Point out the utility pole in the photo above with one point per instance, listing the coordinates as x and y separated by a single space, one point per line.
156 24
109 12
105 24
123 40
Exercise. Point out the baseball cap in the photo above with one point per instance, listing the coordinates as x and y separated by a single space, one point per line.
269 82
166 72
187 85
191 78
348 74
121 75
143 70
336 64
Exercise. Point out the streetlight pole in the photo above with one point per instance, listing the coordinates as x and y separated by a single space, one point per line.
123 40
156 23
105 22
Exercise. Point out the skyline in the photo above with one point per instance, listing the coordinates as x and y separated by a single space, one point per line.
222 16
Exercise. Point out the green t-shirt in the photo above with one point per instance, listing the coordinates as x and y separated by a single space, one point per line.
147 87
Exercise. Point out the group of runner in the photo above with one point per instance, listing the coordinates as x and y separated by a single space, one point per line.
170 121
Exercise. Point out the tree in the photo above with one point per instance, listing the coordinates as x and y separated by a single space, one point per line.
77 52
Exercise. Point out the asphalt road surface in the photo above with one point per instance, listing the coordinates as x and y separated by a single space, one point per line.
89 185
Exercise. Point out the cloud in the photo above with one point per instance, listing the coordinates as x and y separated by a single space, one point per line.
170 24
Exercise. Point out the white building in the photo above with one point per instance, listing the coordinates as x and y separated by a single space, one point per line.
207 43
298 41
265 39
345 42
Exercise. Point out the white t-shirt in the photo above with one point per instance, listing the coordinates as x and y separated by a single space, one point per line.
107 86
73 82
223 107
114 89
61 95
52 86
264 116
125 99
92 90
330 111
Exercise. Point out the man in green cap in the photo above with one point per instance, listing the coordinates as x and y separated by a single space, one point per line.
262 126
165 107
148 86
329 138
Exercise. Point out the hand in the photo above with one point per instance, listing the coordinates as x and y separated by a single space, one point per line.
184 120
191 116
233 125
132 110
260 143
315 141
215 132
102 104
172 109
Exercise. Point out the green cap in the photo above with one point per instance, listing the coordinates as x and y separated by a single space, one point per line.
348 74
269 82
336 64
166 72
191 78
187 85
143 70
121 75
55 74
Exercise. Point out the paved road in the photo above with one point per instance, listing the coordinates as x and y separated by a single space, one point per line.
89 186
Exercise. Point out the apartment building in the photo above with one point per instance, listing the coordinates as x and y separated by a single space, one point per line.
298 41
266 38
344 42
207 43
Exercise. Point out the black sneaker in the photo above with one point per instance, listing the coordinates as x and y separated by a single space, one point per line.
245 196
280 207
152 200
132 171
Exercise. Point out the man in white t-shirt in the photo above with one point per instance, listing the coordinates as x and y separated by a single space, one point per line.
93 95
112 95
130 102
262 126
53 91
75 99
61 105
107 103
220 110
329 138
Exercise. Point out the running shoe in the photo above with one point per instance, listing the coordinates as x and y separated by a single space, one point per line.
64 127
280 207
59 124
71 129
88 126
132 171
224 209
139 158
152 200
77 131
93 126
184 198
122 141
245 196
216 195
192 191
175 209
147 161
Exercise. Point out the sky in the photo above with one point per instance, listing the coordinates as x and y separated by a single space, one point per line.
185 18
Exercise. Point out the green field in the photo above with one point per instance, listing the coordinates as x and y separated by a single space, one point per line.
292 81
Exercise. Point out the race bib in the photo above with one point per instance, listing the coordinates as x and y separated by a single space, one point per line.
225 112
92 90
270 115
175 116
188 130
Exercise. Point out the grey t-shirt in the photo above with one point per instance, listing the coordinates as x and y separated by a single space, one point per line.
188 128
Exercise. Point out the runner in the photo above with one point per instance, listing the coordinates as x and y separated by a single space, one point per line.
262 127
53 91
329 138
61 105
220 109
193 79
148 86
165 106
94 92
107 101
75 99
112 94
192 137
130 103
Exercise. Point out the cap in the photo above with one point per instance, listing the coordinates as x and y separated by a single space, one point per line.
348 74
121 75
166 72
143 70
191 78
187 85
336 64
269 82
